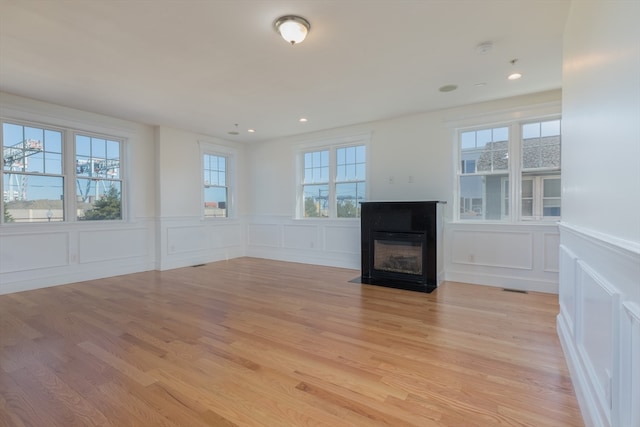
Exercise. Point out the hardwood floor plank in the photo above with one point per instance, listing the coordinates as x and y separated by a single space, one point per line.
117 363
251 342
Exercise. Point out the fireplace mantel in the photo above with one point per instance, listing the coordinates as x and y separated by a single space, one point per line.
410 235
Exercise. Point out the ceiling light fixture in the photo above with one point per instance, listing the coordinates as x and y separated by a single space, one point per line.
292 28
303 120
448 88
515 75
234 132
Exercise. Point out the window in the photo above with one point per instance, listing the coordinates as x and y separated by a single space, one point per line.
487 168
33 179
98 180
315 187
350 184
37 182
333 181
541 185
215 186
485 165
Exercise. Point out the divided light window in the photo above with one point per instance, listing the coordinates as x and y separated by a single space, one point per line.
484 168
334 182
541 185
32 174
215 186
486 171
38 183
98 180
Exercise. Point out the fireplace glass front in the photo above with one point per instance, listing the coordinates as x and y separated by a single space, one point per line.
398 253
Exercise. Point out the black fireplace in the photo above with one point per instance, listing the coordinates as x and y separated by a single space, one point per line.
400 242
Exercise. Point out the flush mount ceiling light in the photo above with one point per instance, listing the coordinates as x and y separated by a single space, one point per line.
292 28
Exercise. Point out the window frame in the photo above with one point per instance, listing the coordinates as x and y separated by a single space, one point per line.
516 172
332 146
121 173
230 155
68 130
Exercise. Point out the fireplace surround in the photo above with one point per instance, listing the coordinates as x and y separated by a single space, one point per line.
401 244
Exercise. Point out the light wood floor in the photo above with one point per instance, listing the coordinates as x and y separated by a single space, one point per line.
251 342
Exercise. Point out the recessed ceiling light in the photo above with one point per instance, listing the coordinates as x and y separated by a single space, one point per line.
251 131
302 119
515 75
448 88
480 84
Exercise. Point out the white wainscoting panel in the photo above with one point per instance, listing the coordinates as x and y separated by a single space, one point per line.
28 251
342 239
224 236
567 288
105 245
32 256
510 249
595 334
517 256
186 241
264 235
331 242
300 237
629 390
181 239
599 324
551 248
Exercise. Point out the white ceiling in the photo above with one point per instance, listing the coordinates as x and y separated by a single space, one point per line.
205 65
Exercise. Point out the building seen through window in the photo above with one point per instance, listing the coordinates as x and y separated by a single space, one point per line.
487 168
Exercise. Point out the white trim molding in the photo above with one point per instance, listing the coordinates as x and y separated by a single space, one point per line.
599 324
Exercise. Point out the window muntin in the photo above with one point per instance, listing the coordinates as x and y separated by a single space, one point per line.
484 166
485 172
333 181
98 180
541 145
540 164
350 180
216 190
541 197
33 180
54 174
315 184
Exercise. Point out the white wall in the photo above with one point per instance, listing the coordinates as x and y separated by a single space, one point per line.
599 321
184 236
39 255
410 158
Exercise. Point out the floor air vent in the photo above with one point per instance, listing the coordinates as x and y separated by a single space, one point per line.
517 291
